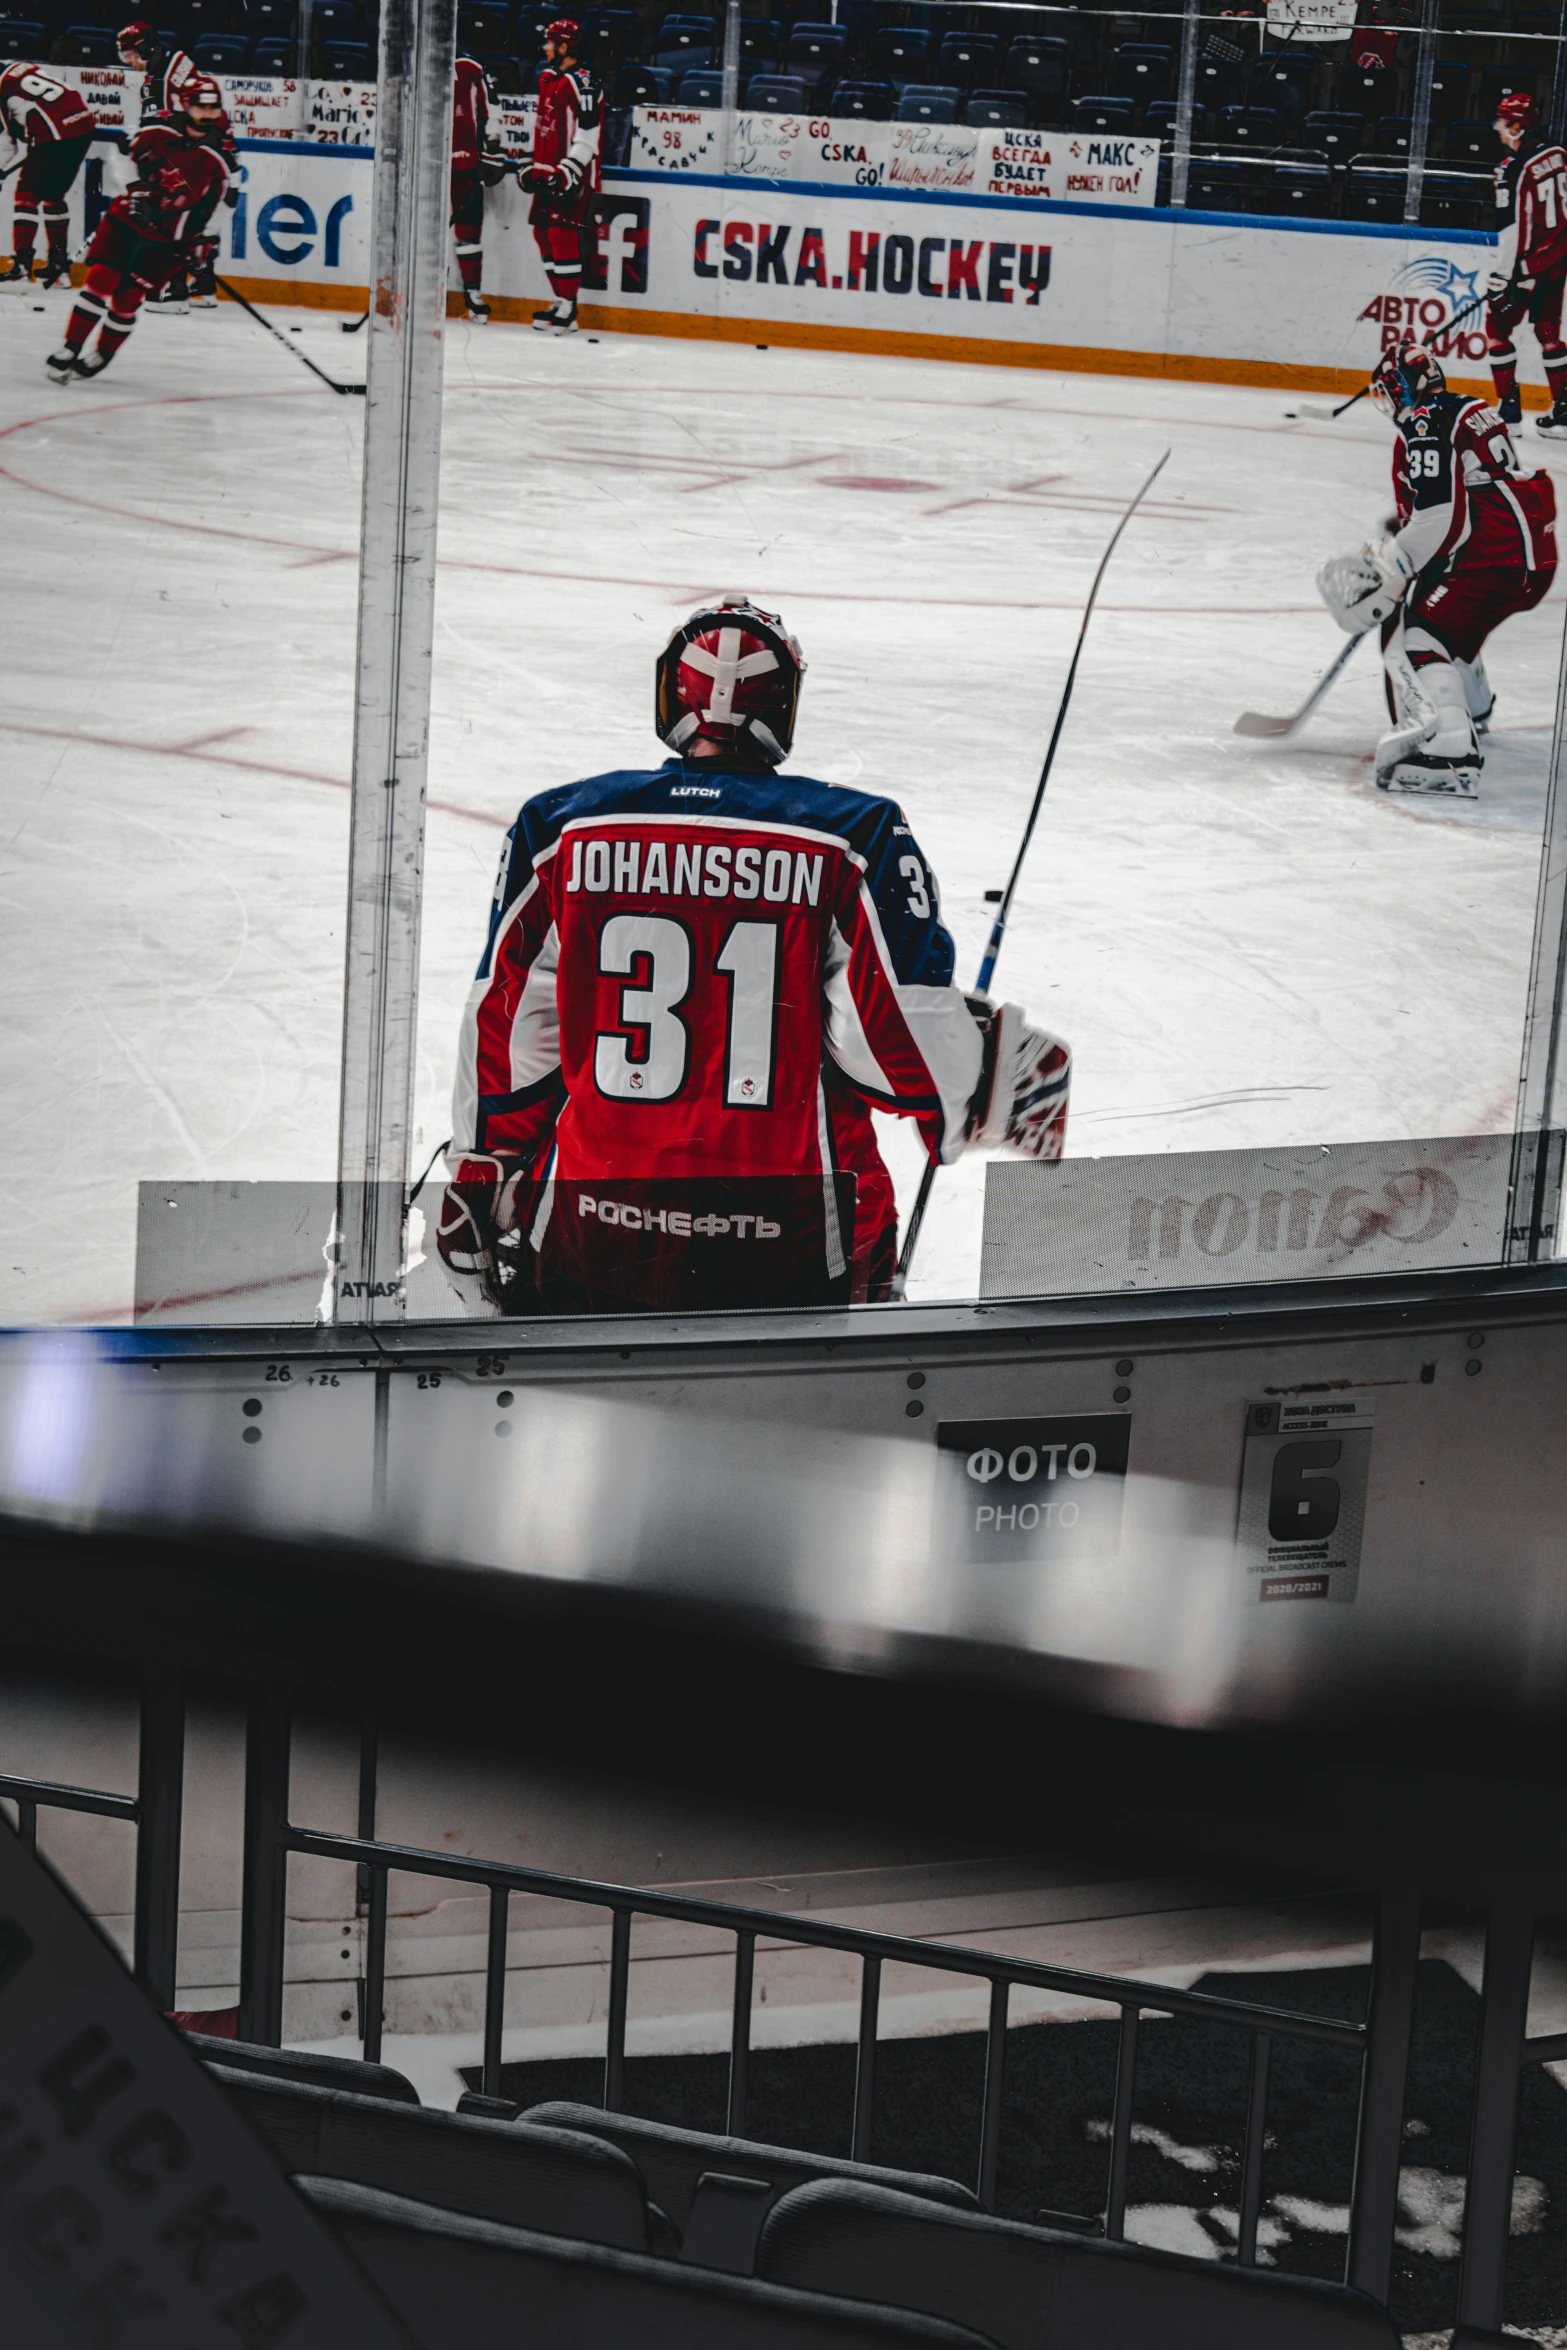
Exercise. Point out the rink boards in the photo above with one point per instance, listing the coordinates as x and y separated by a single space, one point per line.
1213 1509
928 271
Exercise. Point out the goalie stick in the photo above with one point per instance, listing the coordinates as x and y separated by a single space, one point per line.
988 960
332 385
1257 722
1327 415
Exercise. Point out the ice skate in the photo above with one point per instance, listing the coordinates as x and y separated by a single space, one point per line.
477 306
544 322
61 364
203 301
91 363
16 276
170 301
58 273
566 323
1415 771
1510 406
1554 421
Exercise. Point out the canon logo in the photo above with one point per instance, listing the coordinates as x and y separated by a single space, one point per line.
1413 1207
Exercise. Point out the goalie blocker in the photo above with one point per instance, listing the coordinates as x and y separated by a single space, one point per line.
700 980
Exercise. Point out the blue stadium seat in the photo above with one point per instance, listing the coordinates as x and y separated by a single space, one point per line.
20 38
265 18
1371 193
1472 143
1159 119
482 31
995 110
759 42
1288 83
1142 71
776 93
1249 126
815 53
1220 82
900 54
1301 190
929 104
349 61
1041 69
278 55
222 53
965 59
682 49
210 16
1390 134
1335 134
705 87
1102 114
343 20
865 101
1216 185
642 85
86 44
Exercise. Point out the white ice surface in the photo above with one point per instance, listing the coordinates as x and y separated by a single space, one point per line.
1245 942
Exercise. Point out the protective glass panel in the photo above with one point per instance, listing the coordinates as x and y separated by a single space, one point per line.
887 323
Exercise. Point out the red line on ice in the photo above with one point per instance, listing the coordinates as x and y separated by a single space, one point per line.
210 758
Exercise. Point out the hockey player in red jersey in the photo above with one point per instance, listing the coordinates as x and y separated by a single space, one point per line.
1530 269
699 981
164 72
51 129
477 164
1474 542
565 170
150 231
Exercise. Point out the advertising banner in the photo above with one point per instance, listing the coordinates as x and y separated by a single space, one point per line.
1020 248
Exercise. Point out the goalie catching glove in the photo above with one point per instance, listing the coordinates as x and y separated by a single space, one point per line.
1024 1081
1356 590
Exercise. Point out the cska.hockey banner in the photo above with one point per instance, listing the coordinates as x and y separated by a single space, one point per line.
1025 248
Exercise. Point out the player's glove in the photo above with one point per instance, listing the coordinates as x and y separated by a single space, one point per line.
569 172
1355 593
480 1225
1497 287
493 166
137 201
1391 565
1025 1078
544 178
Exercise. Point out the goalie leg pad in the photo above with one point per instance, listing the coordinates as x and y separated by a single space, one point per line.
1434 747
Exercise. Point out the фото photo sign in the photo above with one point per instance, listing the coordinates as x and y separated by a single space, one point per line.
1032 1491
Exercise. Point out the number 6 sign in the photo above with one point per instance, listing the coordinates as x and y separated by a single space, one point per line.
1303 1497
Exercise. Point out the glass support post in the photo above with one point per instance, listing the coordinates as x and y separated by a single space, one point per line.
1185 106
396 623
1559 81
1420 118
1540 1102
731 79
306 34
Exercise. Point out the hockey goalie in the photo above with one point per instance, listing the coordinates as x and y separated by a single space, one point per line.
1471 542
700 981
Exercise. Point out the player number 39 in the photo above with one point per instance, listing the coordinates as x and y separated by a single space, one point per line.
1425 463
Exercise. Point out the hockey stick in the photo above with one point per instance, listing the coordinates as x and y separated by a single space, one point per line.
1327 415
1255 722
987 966
292 349
351 326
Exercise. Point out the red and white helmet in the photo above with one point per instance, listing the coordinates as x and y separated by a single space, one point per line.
566 34
198 89
1516 106
1405 378
731 674
137 39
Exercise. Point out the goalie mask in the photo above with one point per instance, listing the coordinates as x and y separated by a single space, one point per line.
1406 378
730 674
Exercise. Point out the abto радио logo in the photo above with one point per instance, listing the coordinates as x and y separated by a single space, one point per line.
1424 299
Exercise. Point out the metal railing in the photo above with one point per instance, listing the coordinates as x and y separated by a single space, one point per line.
1381 2041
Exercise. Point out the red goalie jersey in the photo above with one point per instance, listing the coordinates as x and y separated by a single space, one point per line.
697 984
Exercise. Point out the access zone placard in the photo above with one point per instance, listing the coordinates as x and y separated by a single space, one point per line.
1303 1497
1032 1491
